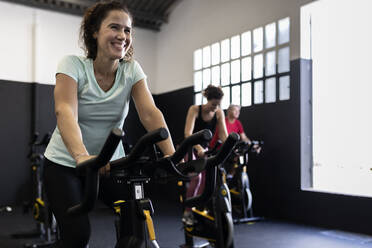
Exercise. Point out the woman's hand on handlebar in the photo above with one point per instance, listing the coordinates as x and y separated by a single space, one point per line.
105 170
257 148
200 152
102 171
181 161
82 158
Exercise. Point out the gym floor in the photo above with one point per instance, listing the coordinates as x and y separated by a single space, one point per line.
265 234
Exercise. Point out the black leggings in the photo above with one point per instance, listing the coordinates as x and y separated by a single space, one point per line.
64 189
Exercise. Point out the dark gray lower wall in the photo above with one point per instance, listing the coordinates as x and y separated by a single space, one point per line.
25 108
275 175
15 132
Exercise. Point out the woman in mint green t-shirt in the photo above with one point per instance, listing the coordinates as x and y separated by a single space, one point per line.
92 96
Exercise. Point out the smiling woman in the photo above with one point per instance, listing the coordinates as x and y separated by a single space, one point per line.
92 97
100 18
114 38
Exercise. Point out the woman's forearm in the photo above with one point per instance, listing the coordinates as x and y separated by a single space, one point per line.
71 133
155 120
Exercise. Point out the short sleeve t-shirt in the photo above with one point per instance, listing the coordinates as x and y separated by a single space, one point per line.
98 111
236 127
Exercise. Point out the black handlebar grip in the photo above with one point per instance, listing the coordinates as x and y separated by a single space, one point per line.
225 150
106 153
90 168
146 140
195 166
109 148
196 138
35 135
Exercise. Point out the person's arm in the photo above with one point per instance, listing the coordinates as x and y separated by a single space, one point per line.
244 137
150 116
66 110
242 134
222 130
192 113
190 120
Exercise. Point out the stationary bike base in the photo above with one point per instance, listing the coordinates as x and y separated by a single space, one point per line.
27 235
248 219
200 244
39 245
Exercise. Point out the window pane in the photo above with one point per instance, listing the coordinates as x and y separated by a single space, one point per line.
284 88
206 56
225 50
235 71
216 75
257 39
226 97
270 90
198 81
215 53
235 47
283 60
198 59
204 100
247 94
270 35
235 95
270 67
246 69
225 74
206 78
258 66
258 92
198 99
246 43
283 29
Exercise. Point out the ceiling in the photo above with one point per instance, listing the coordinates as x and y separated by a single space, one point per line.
148 14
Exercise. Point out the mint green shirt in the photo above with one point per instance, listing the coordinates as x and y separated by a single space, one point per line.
98 111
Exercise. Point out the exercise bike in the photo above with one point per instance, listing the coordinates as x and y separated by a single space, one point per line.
238 181
46 227
212 209
134 226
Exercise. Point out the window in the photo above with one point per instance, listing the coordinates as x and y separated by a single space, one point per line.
270 90
258 92
270 35
235 72
216 75
252 67
246 94
225 74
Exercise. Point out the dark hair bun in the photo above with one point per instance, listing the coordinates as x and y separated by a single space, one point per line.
213 92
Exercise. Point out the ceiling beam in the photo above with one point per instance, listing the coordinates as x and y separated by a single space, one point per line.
149 14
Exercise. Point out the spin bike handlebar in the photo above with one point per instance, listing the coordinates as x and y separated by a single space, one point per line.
148 139
165 167
90 169
243 147
194 139
211 168
225 150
